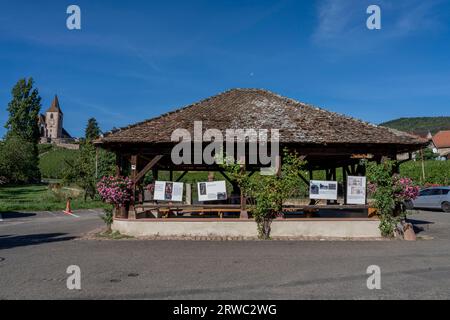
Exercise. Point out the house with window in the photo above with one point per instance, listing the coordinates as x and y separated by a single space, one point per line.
441 144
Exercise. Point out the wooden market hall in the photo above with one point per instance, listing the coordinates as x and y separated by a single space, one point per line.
328 141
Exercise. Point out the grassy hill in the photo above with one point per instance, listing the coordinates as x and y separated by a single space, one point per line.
419 125
52 160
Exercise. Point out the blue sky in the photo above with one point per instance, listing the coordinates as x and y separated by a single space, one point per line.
133 60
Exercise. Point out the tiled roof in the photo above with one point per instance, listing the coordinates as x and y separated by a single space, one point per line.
261 109
442 139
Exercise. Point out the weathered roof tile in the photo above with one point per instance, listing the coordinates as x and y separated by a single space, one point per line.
261 109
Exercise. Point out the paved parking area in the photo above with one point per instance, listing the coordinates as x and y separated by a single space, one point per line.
37 248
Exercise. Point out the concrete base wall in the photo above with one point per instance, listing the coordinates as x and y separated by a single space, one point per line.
363 228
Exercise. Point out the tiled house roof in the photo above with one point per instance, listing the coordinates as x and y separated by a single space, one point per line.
442 139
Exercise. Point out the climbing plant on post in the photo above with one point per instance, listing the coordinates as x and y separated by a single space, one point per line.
268 192
390 192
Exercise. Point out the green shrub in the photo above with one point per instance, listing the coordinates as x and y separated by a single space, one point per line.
18 161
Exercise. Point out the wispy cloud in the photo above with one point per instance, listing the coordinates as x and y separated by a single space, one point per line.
342 23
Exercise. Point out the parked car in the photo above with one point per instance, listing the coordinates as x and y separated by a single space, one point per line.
432 198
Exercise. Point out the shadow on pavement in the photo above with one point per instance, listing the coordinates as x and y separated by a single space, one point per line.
8 242
14 214
419 225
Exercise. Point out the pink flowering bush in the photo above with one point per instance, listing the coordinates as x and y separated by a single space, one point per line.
404 189
390 194
115 190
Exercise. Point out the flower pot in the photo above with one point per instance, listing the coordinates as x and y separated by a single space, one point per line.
121 212
371 212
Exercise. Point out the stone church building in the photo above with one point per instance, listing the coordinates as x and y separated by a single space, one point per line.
51 125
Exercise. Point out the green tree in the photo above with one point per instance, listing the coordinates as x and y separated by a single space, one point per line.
23 134
17 161
3 172
24 110
90 164
92 131
428 154
81 170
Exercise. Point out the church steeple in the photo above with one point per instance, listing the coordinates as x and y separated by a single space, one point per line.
54 107
54 120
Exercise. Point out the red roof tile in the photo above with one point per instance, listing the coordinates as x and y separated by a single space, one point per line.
442 139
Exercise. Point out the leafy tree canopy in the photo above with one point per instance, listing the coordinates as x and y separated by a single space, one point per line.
24 110
92 131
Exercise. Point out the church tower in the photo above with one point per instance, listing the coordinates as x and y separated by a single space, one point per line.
54 120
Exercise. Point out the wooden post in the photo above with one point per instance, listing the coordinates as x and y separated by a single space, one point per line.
96 163
118 164
132 211
243 213
188 193
423 166
332 177
344 183
155 174
311 177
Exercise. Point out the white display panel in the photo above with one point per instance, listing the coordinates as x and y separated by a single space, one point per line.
168 191
210 191
321 189
356 190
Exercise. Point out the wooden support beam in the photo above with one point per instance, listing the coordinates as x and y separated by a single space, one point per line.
303 179
346 170
251 173
344 183
118 164
244 213
147 168
181 176
155 174
132 210
226 177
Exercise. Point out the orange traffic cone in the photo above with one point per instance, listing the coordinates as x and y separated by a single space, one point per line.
68 210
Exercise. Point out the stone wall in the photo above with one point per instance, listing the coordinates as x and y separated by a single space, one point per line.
312 228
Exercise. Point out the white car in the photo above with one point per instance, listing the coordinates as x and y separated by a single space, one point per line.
432 198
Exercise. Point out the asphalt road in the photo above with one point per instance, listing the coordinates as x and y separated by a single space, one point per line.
36 249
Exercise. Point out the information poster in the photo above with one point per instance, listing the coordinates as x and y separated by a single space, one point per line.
356 190
168 191
319 189
210 191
